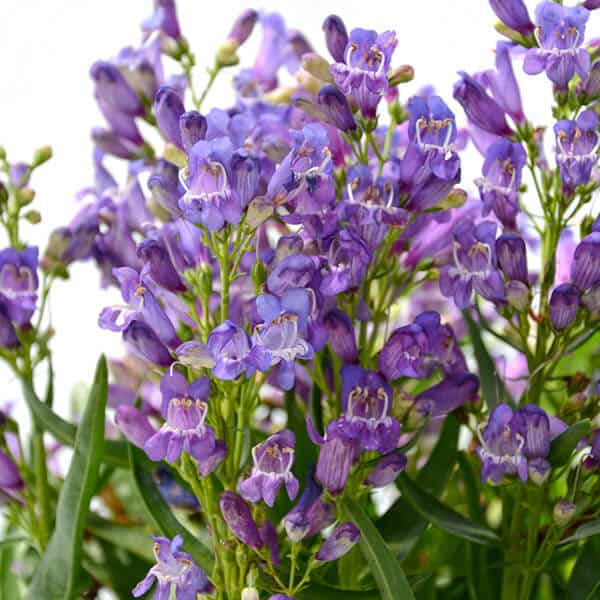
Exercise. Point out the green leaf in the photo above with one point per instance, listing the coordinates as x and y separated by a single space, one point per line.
385 568
442 516
325 592
9 585
562 446
584 531
306 452
585 580
492 387
133 538
115 452
58 573
401 526
160 512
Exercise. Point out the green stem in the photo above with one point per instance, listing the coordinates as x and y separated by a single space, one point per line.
212 76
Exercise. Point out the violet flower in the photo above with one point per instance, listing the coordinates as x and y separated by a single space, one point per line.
340 542
19 283
272 463
564 304
386 470
336 37
513 13
585 266
238 517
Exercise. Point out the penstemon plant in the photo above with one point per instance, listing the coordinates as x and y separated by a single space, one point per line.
345 376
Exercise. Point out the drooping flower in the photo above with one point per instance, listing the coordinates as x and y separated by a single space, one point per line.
340 542
173 568
560 32
146 344
446 396
272 463
564 304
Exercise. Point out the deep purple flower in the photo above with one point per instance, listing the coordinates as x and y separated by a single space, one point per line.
576 144
168 109
533 424
292 271
513 13
239 519
341 541
474 265
559 33
283 333
158 265
172 492
146 344
592 461
480 108
405 354
336 37
585 266
134 424
268 534
502 447
242 27
446 396
564 304
173 568
512 257
335 108
366 405
19 283
8 334
10 478
311 514
184 408
141 305
163 19
499 186
234 352
341 335
192 127
272 464
386 470
363 72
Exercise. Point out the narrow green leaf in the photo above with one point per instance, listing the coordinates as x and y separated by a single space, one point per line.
12 541
585 579
133 538
325 592
160 512
492 387
385 568
9 585
58 574
442 516
584 531
115 452
306 452
401 526
562 446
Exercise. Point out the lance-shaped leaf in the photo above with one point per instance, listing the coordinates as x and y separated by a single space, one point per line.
385 568
562 446
160 512
442 516
492 387
584 531
115 452
325 592
59 572
584 583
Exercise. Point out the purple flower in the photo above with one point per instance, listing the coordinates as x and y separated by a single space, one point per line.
239 519
474 265
564 304
195 355
173 568
341 541
585 266
446 396
163 19
502 446
512 257
335 108
234 352
576 144
341 335
184 408
146 344
192 127
386 470
10 478
481 109
19 283
499 186
142 305
158 265
363 72
272 464
284 331
513 13
366 404
168 108
311 514
242 27
268 534
533 424
559 33
336 37
134 424
592 461
590 87
8 335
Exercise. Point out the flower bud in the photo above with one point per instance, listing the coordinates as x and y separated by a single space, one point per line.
112 90
195 355
340 542
238 517
3 194
250 593
336 37
33 216
168 109
335 106
585 267
146 344
335 461
341 335
158 265
386 470
518 296
591 86
564 303
317 66
512 256
41 156
401 74
563 512
243 27
134 424
25 196
2 153
192 126
513 13
539 471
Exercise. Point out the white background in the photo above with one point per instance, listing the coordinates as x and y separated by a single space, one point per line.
47 47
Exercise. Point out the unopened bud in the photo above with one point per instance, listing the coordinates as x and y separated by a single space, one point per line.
2 153
3 194
401 74
308 81
281 95
259 210
174 155
227 54
457 197
250 593
33 216
316 65
517 295
563 513
25 196
41 155
258 274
